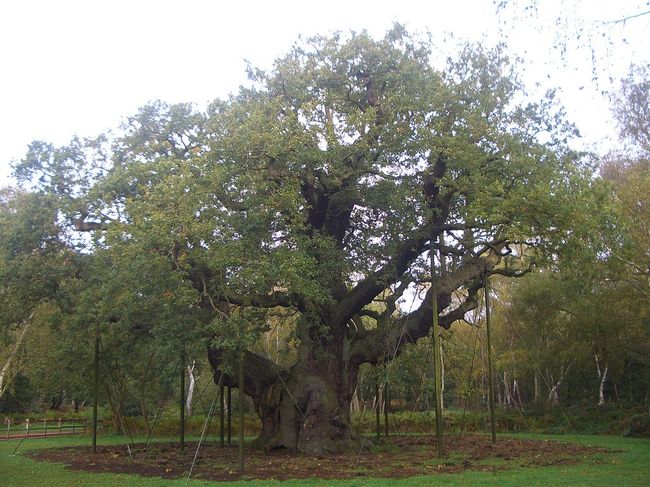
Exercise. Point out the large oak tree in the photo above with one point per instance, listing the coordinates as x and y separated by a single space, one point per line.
318 190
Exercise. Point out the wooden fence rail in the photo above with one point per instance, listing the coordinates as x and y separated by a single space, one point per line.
41 428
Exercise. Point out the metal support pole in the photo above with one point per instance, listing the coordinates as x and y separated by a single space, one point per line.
95 394
229 403
486 292
437 363
377 412
241 413
182 401
386 407
221 416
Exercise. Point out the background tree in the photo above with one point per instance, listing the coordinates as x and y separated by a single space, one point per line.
35 264
595 295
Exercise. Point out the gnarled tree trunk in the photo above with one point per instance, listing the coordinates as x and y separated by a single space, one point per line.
306 407
308 412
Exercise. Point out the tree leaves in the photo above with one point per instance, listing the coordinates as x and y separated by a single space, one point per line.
316 186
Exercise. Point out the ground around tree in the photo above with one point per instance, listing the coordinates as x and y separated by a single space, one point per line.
393 457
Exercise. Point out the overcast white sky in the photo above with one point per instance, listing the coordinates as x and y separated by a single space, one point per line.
79 66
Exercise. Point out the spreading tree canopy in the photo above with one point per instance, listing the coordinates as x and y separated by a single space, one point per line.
316 192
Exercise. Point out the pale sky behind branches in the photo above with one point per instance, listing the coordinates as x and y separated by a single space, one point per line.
79 67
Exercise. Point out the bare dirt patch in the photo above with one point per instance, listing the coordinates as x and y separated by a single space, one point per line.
394 457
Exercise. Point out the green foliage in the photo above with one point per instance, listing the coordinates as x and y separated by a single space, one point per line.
36 270
33 258
263 214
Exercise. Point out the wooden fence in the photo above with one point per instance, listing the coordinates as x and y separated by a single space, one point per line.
41 428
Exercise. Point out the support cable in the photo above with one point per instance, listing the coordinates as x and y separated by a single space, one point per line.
163 402
420 388
95 389
528 427
469 380
205 427
389 365
206 409
486 293
276 369
119 404
436 353
21 441
182 401
548 385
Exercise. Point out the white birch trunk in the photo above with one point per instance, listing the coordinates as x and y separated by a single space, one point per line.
506 390
516 395
355 404
553 394
602 377
190 388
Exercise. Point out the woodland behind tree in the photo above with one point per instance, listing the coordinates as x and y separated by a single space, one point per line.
294 222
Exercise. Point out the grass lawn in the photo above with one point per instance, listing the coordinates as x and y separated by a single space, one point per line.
630 467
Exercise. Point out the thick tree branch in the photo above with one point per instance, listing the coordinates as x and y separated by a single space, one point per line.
230 204
259 372
81 225
271 300
403 257
372 345
364 292
511 272
375 315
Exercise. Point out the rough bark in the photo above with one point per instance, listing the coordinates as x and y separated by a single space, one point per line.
303 408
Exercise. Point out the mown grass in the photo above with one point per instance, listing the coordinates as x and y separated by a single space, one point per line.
629 466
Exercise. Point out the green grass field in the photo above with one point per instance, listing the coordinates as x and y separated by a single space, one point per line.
629 467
